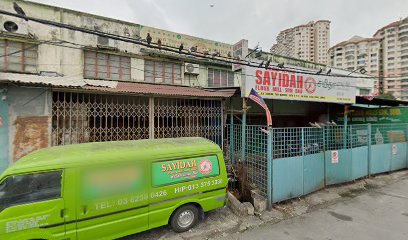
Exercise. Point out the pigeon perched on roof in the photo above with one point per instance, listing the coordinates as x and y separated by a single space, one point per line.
148 39
19 10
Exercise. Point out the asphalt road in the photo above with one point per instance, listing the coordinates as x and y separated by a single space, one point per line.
380 213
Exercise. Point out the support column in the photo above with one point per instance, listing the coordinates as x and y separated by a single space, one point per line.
369 149
232 143
151 117
345 127
270 167
243 135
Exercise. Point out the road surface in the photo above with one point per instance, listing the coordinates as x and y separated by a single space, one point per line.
380 213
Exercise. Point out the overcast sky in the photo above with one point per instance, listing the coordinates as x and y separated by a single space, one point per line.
256 20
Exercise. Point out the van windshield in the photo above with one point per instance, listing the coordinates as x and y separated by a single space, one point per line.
16 190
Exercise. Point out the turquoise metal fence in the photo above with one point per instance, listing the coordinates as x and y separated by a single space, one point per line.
284 163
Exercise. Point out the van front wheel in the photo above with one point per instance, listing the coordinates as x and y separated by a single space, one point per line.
184 218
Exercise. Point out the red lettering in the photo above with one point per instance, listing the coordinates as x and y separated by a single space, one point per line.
274 75
280 79
299 81
292 81
285 80
267 78
258 74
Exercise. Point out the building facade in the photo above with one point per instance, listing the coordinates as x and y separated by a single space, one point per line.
357 53
384 56
63 86
60 86
308 42
394 55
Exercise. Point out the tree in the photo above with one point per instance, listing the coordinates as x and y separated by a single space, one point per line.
387 96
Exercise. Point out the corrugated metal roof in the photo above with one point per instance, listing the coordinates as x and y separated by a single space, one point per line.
67 81
114 86
158 89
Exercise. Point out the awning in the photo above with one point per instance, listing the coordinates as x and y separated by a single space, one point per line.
166 90
73 82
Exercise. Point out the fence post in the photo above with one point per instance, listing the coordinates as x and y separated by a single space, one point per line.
369 149
345 128
243 135
406 139
324 154
270 167
232 144
303 157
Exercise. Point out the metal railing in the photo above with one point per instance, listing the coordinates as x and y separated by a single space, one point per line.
316 156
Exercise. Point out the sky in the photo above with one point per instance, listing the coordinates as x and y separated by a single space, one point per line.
260 21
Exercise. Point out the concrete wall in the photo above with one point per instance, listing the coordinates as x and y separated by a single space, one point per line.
70 61
28 120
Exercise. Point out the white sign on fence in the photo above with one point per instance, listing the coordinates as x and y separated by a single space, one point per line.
280 84
394 149
335 156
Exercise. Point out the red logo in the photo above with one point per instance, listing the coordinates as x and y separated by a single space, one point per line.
310 85
205 166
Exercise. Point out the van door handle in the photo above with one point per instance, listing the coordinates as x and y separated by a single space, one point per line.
62 213
84 209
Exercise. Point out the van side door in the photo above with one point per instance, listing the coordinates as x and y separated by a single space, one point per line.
112 201
31 206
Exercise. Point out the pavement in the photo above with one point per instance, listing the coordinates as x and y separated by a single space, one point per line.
374 208
376 214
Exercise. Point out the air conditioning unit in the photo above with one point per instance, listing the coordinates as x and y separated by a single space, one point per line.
14 25
192 68
106 43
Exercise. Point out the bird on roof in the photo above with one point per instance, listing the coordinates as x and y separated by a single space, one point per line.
320 71
267 63
148 39
193 49
19 10
159 43
181 47
329 71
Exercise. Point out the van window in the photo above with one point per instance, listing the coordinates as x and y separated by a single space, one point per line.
21 189
181 170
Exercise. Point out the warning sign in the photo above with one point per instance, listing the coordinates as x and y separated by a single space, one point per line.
335 156
394 149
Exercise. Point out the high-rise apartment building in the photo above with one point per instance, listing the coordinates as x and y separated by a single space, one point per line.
309 42
394 56
384 56
357 54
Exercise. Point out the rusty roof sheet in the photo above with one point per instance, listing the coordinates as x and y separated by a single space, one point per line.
66 81
167 90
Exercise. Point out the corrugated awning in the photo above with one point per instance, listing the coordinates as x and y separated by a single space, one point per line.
167 90
114 86
66 81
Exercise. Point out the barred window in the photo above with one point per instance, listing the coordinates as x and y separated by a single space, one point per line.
18 56
106 66
220 78
162 72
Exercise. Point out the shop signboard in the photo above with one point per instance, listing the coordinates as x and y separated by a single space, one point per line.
289 85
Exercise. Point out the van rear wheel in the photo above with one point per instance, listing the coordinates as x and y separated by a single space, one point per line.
184 218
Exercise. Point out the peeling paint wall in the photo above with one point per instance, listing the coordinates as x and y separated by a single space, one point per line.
29 112
31 133
4 133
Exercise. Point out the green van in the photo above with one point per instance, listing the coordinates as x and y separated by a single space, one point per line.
112 189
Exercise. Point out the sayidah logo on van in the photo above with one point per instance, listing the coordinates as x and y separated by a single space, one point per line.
205 166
